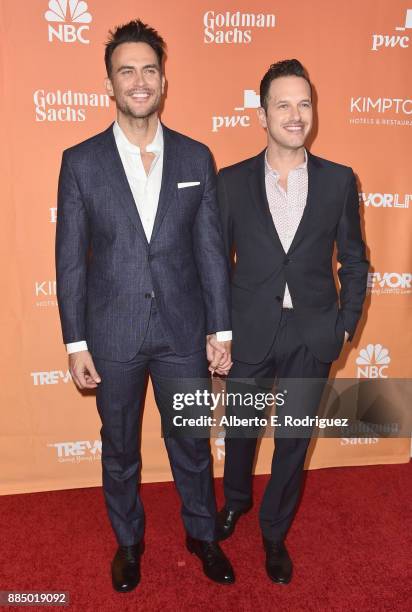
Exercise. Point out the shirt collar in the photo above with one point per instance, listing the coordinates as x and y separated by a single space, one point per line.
269 169
156 146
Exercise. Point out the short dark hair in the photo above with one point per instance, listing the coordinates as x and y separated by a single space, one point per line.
290 67
133 32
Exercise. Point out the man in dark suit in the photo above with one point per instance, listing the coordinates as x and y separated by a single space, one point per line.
143 286
283 213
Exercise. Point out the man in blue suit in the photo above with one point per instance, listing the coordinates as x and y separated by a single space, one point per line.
142 284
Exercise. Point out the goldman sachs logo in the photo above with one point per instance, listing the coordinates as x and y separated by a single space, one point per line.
66 106
234 28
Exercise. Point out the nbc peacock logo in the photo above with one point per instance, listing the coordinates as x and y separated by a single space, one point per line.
373 361
70 18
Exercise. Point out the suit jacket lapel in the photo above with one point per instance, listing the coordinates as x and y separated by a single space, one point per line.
168 189
258 189
313 197
109 158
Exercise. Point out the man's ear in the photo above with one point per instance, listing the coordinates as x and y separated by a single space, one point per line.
261 113
109 87
163 83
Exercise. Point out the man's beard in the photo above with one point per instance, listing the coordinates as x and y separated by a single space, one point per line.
130 112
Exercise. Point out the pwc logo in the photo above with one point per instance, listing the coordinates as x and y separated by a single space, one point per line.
250 100
373 362
69 17
386 41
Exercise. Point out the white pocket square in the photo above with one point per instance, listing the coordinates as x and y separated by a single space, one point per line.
192 184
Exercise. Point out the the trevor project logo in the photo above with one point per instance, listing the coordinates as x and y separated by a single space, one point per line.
70 17
373 361
386 41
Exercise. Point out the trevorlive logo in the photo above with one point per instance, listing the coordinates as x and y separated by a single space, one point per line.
69 17
80 448
389 282
234 28
385 200
373 361
50 378
250 100
385 41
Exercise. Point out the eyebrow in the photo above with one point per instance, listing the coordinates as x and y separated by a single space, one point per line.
287 101
126 67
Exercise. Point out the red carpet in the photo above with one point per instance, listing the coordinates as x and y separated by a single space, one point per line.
351 545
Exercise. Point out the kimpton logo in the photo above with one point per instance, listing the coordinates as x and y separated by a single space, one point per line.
373 361
365 110
45 292
386 41
70 17
238 119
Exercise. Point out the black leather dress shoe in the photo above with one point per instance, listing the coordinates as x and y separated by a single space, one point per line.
226 521
216 565
126 568
278 563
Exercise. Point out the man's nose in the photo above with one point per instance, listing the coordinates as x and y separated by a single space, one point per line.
139 79
295 113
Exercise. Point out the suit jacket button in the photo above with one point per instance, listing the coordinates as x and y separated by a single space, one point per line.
278 298
286 261
148 296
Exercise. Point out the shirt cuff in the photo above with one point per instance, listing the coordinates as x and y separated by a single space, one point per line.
223 336
75 347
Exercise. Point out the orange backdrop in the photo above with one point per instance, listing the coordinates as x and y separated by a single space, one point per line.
52 96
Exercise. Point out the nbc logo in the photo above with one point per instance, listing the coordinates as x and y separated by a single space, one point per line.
250 100
382 41
70 17
373 361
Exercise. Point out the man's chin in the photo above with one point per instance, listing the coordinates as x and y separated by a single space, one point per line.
139 114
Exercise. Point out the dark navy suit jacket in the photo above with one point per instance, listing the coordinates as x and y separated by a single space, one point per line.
106 270
330 218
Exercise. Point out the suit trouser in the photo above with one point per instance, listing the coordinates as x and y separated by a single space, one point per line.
119 402
287 358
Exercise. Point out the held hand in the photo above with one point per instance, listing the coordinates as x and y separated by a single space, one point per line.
219 355
82 369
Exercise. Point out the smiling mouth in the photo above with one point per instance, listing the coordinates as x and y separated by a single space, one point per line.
141 96
294 128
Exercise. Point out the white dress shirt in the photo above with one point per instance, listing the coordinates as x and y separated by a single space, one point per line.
286 207
145 189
